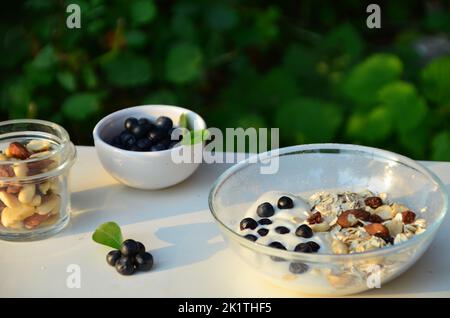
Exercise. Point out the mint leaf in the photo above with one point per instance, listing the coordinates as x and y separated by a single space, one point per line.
194 137
108 234
183 123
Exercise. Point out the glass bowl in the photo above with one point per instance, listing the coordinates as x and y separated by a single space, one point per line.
311 168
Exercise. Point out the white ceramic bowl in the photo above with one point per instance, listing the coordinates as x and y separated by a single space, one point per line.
143 170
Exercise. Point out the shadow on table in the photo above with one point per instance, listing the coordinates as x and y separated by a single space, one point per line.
126 205
190 244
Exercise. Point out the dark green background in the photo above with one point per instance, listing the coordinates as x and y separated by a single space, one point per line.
312 68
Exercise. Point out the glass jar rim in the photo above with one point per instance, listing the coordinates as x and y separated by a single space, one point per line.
65 146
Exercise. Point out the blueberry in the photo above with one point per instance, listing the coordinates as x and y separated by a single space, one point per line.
144 144
129 248
314 246
277 245
304 231
130 123
265 210
143 261
128 140
265 221
298 268
285 203
164 123
158 147
248 223
282 230
144 121
155 135
139 131
141 247
251 237
263 232
125 266
113 256
303 248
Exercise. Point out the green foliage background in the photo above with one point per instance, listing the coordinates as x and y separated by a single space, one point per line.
312 68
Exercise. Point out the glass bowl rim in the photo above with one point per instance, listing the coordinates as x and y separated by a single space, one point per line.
333 148
65 146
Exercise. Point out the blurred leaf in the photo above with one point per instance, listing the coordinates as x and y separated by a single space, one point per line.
89 77
366 78
436 80
441 146
372 127
45 58
309 120
67 80
81 106
406 107
163 97
127 69
142 11
136 38
415 140
13 40
345 40
183 63
221 17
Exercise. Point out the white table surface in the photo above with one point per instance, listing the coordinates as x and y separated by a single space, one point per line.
191 258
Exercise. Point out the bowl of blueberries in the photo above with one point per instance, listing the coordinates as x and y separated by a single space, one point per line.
136 145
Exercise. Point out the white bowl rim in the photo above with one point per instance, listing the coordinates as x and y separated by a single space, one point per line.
323 257
98 126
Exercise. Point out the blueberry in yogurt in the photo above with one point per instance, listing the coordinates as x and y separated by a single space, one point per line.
265 221
248 223
251 237
314 246
298 268
263 232
304 231
285 203
303 248
282 230
265 210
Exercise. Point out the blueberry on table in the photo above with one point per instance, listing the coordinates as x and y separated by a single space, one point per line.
113 256
129 248
265 221
314 246
303 248
263 232
251 237
130 123
282 230
298 268
144 121
164 123
143 261
125 266
141 247
248 223
304 231
144 144
265 210
285 203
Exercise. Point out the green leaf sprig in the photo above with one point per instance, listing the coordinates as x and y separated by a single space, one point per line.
108 234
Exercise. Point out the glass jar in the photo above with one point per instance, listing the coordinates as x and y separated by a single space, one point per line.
35 160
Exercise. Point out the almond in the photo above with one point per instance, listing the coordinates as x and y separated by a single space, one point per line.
37 167
18 151
350 218
377 229
408 217
316 218
6 171
373 202
13 189
35 220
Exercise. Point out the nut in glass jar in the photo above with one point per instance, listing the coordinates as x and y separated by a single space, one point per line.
35 159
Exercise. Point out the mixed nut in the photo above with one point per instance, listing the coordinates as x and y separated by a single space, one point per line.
28 204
